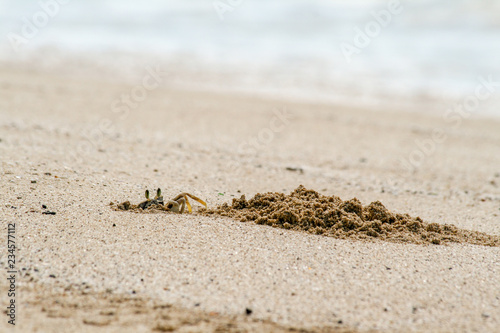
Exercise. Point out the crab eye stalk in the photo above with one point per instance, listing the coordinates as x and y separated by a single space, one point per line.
158 193
147 194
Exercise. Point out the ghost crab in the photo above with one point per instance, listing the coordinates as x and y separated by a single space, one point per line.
176 205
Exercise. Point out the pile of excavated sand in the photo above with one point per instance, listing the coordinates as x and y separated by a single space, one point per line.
310 211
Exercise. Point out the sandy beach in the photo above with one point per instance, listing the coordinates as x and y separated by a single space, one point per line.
70 145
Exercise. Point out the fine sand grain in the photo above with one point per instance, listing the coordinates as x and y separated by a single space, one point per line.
65 155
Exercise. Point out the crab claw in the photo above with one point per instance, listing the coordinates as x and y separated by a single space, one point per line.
184 197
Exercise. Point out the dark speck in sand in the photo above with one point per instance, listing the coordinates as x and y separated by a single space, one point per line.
248 311
295 169
49 213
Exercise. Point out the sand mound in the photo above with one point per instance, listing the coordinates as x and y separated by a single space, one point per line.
310 211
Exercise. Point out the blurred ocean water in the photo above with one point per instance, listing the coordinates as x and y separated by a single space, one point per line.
428 49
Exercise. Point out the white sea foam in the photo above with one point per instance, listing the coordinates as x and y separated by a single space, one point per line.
434 50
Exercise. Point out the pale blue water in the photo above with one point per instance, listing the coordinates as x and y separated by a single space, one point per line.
432 49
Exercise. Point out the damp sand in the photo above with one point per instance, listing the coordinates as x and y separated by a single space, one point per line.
310 211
